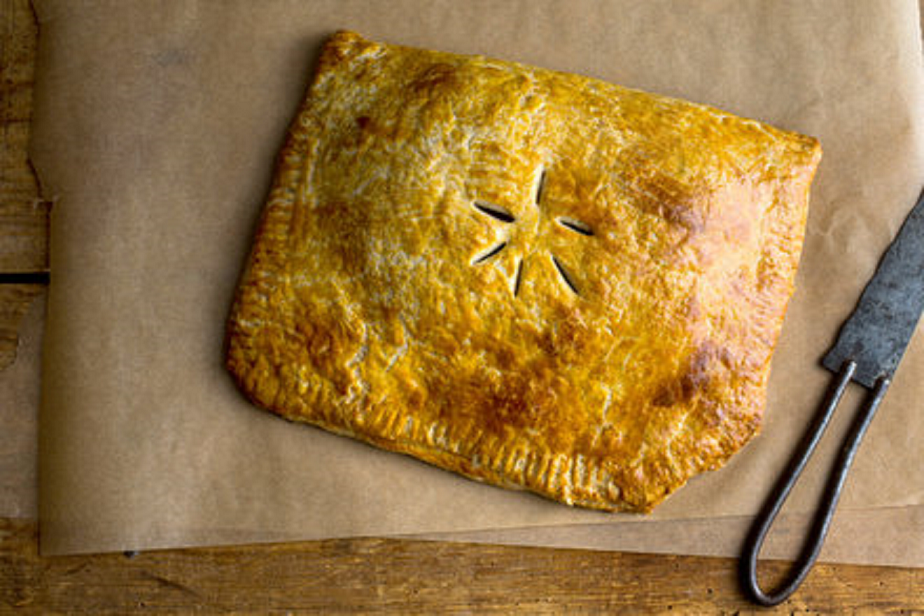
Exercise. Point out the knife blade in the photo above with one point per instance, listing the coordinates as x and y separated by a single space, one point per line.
876 335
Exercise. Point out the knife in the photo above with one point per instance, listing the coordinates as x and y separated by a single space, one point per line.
868 349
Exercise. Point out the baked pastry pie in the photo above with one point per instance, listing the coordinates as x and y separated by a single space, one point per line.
531 278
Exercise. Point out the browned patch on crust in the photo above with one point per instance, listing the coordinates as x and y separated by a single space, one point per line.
435 78
661 194
695 378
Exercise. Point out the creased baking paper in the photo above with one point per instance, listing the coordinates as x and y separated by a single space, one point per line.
885 536
156 127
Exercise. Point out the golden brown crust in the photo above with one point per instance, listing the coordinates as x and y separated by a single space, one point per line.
531 278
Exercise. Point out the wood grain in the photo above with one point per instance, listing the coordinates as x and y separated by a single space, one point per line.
23 214
15 299
362 575
348 575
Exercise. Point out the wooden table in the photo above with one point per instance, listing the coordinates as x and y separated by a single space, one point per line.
347 574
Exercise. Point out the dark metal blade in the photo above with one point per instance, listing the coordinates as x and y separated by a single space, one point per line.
877 333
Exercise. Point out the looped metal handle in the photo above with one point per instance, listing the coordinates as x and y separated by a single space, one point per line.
822 520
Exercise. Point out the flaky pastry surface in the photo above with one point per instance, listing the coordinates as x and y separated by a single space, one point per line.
531 278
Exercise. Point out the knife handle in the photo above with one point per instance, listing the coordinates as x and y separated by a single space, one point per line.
822 520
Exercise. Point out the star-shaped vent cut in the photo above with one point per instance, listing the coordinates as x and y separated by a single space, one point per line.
505 217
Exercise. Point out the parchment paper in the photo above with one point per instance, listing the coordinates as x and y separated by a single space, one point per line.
156 128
